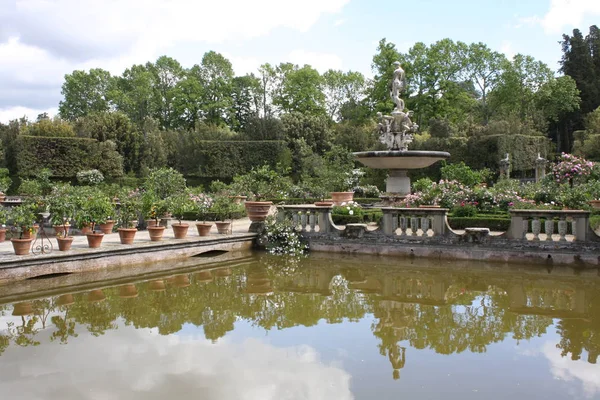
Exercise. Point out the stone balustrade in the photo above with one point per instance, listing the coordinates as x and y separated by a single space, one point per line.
433 223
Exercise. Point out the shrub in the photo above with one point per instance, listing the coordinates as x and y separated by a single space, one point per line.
464 210
90 177
282 238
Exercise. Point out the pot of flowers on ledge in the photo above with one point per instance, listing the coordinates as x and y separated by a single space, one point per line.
23 219
96 207
129 204
62 210
202 204
179 204
223 208
158 208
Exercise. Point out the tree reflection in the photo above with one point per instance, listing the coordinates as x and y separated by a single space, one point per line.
419 307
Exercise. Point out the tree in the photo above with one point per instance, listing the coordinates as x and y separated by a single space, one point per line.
300 90
216 76
50 128
166 73
484 69
341 88
382 66
246 99
85 92
133 95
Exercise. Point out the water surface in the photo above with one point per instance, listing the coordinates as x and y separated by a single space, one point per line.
323 327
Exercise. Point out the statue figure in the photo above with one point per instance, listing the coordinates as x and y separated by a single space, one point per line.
396 131
398 86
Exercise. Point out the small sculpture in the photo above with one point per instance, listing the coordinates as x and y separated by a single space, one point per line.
398 86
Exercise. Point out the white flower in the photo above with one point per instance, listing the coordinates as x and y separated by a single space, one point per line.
351 212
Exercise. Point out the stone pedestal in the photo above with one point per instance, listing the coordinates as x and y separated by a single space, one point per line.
398 182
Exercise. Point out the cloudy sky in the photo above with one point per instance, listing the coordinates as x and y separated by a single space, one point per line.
42 40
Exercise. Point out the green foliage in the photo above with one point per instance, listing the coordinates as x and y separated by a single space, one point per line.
224 208
165 182
261 182
93 207
130 202
47 127
464 174
3 216
5 180
61 204
179 204
29 187
85 92
23 218
495 224
66 156
464 210
225 159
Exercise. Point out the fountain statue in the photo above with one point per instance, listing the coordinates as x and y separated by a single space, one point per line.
396 132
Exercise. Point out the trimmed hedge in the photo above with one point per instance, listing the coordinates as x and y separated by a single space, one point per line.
495 224
374 215
225 159
65 156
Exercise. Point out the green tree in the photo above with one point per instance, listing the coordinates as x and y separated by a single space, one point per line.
217 75
85 92
47 127
166 73
484 69
300 90
246 99
133 94
341 88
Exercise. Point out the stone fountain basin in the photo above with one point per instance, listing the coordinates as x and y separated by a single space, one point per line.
409 159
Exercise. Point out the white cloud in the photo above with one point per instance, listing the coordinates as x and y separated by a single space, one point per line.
139 364
319 61
42 40
567 13
339 22
8 114
565 369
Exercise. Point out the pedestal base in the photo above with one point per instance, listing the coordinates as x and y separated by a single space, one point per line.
398 182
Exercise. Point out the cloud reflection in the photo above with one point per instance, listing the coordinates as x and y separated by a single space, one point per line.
140 364
565 369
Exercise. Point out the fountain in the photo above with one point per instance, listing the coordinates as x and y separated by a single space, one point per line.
396 132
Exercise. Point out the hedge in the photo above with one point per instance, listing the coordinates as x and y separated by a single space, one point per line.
495 224
374 215
296 201
66 156
225 159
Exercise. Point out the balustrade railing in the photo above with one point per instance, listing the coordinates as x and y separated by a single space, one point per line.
558 225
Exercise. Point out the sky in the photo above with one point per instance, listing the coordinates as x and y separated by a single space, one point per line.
42 40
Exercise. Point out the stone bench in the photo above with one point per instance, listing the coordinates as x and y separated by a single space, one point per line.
476 235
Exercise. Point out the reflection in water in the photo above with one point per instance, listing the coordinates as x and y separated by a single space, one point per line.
445 310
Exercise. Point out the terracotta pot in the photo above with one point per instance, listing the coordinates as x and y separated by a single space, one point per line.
181 281
180 230
86 229
96 295
203 229
157 286
64 243
151 222
127 235
24 308
595 204
156 233
203 276
65 300
341 197
59 230
2 235
94 239
21 246
107 227
223 228
258 210
128 291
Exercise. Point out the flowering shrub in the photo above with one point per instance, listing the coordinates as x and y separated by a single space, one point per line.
281 238
571 167
465 210
202 203
349 208
366 191
90 177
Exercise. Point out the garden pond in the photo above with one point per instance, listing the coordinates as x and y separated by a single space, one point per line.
325 326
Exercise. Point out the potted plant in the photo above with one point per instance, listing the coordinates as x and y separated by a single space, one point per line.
95 210
157 209
23 219
3 217
179 204
223 207
202 203
129 204
61 206
5 183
